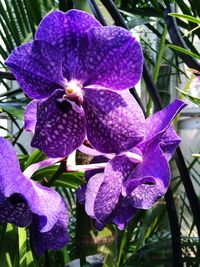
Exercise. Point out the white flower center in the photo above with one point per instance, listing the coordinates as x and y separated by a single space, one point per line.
73 92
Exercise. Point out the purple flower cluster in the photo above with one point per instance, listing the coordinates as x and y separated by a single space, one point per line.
133 179
76 72
25 202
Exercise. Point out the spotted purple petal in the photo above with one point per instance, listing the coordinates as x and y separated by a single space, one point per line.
169 142
81 192
37 67
116 171
158 123
124 213
154 173
96 159
112 58
30 116
114 121
55 238
91 192
60 127
41 200
15 210
66 31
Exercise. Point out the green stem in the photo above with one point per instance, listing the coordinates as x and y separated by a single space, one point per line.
157 66
123 239
60 170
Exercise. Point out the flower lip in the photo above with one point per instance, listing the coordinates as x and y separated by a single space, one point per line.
73 91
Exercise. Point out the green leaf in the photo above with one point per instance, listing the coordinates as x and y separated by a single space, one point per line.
67 180
13 109
36 156
194 99
9 253
183 50
187 17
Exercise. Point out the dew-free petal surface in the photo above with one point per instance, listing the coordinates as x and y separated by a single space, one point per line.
112 58
15 210
60 127
30 116
154 172
159 122
116 171
55 238
41 200
37 67
66 31
169 142
91 192
125 212
114 121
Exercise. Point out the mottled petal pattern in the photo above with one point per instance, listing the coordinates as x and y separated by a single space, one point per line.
155 174
30 116
91 192
116 171
60 127
15 210
114 121
37 67
159 122
66 31
112 58
96 159
41 200
125 212
169 142
55 238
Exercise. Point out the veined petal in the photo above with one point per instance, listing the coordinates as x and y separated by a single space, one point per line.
30 116
60 127
15 210
44 202
114 121
91 192
158 123
125 212
66 31
150 179
96 159
37 67
55 238
169 142
112 58
107 199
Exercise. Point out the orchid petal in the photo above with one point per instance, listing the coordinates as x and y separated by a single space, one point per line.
15 210
66 31
150 179
158 123
112 58
91 192
169 142
124 213
116 171
60 127
37 67
55 238
45 202
30 116
114 121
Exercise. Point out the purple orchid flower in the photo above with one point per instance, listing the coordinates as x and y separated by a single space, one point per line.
75 69
25 202
126 185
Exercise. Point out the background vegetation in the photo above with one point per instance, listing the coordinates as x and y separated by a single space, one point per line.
168 234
